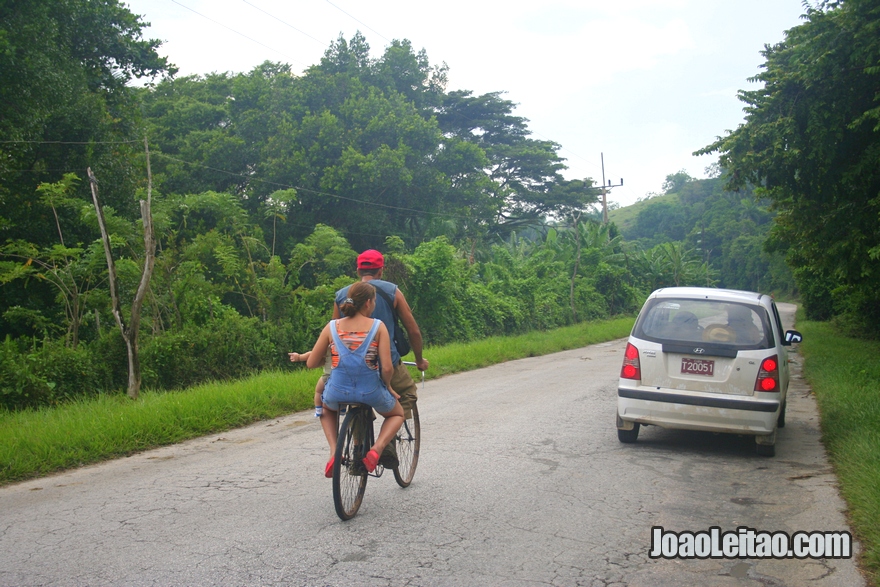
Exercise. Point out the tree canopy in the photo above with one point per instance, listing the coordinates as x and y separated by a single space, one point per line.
264 184
811 145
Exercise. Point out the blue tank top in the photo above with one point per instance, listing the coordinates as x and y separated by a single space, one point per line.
382 312
352 372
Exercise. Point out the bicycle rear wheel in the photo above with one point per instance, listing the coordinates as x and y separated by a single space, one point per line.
408 439
349 473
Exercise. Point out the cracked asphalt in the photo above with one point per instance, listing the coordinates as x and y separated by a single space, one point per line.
521 482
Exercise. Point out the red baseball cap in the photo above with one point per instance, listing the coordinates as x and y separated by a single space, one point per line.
370 259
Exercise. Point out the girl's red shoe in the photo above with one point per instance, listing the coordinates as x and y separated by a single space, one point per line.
371 461
328 470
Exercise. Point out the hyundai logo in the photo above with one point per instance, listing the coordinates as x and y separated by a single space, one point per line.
699 351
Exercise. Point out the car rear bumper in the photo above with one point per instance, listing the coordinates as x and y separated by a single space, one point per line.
698 411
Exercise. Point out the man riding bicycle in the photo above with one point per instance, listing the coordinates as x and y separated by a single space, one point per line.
370 266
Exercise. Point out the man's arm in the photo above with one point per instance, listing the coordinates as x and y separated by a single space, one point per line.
412 328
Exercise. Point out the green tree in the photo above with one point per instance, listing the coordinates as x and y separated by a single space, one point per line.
675 182
811 141
524 173
671 264
64 67
65 106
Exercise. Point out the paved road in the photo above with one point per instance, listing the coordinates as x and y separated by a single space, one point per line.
522 482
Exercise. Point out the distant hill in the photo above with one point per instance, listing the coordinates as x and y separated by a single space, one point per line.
728 229
625 217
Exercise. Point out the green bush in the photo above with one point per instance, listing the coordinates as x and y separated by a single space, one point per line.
20 383
815 294
520 287
48 372
611 283
439 282
230 346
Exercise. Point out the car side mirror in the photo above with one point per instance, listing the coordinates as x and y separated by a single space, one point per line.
792 336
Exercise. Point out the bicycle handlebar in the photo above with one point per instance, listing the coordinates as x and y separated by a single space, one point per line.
413 364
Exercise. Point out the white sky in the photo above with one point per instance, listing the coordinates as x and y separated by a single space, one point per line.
644 82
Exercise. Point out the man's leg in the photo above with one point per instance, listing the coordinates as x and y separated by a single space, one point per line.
402 382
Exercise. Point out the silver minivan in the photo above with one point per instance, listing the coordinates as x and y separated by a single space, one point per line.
706 359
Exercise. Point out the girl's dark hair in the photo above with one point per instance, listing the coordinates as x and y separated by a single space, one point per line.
358 295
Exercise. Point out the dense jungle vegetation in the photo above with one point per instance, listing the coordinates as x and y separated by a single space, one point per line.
264 185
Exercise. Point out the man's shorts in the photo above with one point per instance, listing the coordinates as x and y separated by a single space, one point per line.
402 382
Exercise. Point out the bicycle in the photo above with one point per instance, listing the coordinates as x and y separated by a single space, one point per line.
356 436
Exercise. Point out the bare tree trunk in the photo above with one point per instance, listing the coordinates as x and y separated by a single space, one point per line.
130 332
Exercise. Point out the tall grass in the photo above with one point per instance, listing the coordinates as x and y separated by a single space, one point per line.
845 376
38 442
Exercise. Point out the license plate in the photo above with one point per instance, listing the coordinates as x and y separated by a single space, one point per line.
697 367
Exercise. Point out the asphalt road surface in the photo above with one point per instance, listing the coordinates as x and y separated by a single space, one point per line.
521 482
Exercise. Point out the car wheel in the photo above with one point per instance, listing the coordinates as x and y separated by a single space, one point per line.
780 422
628 436
766 450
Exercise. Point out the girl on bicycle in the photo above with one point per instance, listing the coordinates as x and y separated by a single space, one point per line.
361 371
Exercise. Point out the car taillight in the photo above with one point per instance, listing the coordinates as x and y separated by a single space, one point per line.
631 368
768 375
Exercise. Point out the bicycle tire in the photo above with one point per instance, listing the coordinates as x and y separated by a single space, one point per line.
349 473
408 439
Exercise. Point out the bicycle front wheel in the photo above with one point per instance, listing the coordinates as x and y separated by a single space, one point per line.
349 473
408 438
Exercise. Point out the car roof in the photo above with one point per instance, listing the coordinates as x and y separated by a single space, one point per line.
712 293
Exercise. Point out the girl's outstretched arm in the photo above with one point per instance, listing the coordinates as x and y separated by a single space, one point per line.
318 352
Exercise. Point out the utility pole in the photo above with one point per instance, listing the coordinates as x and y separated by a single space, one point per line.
605 189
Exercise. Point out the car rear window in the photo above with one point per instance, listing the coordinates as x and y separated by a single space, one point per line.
685 320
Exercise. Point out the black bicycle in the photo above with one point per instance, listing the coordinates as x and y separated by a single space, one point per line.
356 436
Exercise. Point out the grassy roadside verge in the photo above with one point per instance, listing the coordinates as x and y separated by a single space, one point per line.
844 373
36 443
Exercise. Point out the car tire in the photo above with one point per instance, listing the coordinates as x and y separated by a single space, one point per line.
628 436
766 450
780 422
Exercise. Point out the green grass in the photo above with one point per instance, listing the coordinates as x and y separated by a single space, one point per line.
845 376
36 443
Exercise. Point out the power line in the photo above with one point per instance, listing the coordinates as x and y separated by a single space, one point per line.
285 23
358 21
239 33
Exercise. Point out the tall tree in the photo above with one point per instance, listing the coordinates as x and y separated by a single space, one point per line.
64 67
65 106
811 141
522 170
